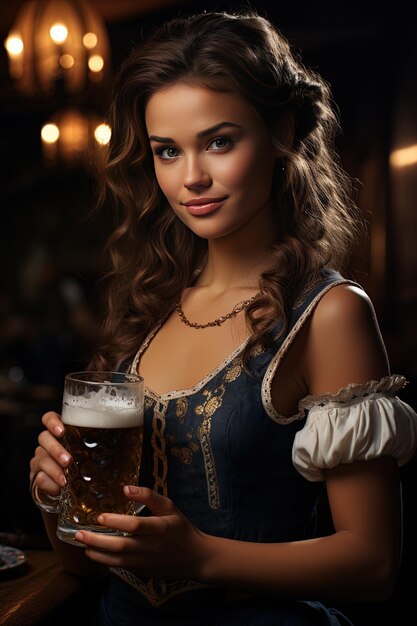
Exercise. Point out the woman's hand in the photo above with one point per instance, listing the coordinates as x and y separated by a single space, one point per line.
165 545
50 457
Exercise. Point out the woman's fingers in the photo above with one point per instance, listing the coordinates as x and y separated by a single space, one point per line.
51 458
107 543
53 423
48 439
49 467
157 504
55 449
46 484
50 476
134 552
129 523
162 544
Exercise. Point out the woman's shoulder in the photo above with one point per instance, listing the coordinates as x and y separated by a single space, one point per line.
344 304
336 304
344 343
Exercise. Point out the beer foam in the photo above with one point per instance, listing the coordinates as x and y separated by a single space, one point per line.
100 410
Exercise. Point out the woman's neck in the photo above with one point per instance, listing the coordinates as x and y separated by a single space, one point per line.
225 270
236 261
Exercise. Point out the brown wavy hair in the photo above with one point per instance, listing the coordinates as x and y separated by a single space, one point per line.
154 256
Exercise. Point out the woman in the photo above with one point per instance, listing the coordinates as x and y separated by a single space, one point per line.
266 375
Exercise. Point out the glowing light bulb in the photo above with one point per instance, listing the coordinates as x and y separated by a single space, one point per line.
58 32
96 63
14 45
66 61
50 133
102 134
90 40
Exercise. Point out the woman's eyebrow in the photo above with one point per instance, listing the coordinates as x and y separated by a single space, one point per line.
202 133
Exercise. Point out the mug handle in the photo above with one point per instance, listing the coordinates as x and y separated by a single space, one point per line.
43 501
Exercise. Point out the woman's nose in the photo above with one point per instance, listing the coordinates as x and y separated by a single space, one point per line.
196 175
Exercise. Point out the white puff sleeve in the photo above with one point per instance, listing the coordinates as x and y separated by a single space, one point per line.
358 423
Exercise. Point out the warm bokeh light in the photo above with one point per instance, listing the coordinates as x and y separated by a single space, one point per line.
58 46
66 61
58 32
50 133
102 134
90 40
73 136
14 45
96 63
404 156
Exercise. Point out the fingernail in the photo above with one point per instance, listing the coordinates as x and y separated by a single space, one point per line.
133 490
100 519
79 536
64 458
58 430
63 480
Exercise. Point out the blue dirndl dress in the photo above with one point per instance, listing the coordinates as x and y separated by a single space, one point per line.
223 455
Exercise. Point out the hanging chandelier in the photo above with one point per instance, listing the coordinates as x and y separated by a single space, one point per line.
57 46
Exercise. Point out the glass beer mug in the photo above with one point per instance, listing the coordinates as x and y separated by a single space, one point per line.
103 417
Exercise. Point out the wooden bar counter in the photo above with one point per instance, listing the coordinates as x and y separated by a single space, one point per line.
41 592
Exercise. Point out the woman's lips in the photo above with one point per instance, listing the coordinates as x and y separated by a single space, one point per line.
204 208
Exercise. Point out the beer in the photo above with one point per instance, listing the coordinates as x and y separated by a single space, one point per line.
103 434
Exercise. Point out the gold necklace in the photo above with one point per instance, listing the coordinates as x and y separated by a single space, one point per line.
220 320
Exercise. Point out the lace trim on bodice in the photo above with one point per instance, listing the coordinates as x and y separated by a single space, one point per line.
157 592
277 358
178 393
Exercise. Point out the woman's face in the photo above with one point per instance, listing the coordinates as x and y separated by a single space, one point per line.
214 160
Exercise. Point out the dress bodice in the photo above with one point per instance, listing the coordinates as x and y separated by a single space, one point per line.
224 456
224 462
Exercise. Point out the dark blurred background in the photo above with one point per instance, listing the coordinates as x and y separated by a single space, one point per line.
52 249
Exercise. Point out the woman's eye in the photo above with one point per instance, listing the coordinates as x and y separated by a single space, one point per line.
167 152
221 143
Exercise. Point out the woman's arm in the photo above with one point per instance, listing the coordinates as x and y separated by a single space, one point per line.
357 563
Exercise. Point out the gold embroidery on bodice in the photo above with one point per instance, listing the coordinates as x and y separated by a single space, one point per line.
159 591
